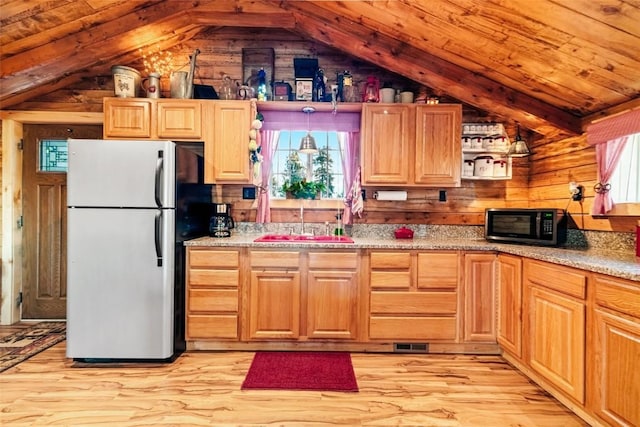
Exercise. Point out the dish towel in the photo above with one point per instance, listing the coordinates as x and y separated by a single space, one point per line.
357 204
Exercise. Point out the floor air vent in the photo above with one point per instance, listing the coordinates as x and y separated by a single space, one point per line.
410 347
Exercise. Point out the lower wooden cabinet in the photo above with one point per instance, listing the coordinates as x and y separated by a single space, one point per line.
479 298
321 304
509 333
615 351
555 306
413 295
213 280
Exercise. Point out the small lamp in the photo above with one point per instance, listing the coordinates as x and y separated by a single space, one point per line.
519 147
308 142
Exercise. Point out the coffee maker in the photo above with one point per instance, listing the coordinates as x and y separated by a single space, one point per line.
221 222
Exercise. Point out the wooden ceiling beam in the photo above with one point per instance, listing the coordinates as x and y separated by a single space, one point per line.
420 66
248 20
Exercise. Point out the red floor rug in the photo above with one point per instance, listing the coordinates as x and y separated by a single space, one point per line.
325 371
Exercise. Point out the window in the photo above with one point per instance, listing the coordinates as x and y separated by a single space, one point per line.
53 156
625 180
325 166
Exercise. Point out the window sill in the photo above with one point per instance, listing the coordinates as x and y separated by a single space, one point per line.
328 204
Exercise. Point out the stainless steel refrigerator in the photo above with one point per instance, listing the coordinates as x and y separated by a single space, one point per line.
131 205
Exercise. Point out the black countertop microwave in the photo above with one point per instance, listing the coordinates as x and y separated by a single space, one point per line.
546 227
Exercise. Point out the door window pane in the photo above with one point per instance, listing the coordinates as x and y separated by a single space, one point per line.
53 155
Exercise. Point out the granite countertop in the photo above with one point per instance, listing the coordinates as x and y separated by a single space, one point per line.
618 264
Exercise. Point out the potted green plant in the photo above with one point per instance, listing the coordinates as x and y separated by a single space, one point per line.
302 189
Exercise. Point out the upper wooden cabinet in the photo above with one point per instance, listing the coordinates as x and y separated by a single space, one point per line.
179 119
152 119
411 145
128 118
227 143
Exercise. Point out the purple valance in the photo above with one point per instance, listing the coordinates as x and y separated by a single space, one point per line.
320 121
613 128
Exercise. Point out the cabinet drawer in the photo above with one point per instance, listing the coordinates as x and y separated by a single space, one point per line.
219 278
618 294
390 279
563 279
419 303
333 260
413 328
390 260
213 258
269 259
438 270
214 326
218 300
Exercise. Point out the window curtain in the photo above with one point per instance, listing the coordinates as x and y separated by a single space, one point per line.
269 143
350 146
609 137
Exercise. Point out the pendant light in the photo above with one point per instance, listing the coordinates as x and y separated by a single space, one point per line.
519 147
308 143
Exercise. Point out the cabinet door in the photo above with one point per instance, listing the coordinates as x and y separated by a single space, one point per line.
230 150
557 339
179 119
332 304
274 305
387 137
510 304
479 298
616 382
438 270
127 118
438 145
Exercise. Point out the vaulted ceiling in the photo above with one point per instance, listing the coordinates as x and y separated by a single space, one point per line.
547 64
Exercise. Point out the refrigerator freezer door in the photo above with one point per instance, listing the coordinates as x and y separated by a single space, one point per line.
120 303
121 173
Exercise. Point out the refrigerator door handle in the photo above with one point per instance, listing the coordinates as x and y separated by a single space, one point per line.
158 237
159 170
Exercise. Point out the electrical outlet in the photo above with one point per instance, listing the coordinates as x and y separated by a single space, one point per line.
249 193
442 197
578 193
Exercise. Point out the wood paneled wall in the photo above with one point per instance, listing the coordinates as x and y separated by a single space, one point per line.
540 180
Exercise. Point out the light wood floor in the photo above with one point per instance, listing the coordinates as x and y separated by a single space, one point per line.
203 389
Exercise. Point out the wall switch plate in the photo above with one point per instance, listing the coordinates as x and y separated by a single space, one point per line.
248 193
442 197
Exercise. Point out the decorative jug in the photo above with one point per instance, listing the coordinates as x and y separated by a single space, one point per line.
151 85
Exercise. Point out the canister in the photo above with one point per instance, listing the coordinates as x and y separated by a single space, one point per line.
466 142
483 166
476 142
499 168
487 143
467 168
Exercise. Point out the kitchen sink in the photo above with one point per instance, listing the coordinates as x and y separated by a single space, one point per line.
303 238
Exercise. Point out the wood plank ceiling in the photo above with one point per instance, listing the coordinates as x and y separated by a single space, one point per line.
547 64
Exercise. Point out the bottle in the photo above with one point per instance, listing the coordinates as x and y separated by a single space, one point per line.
319 87
262 85
339 231
396 98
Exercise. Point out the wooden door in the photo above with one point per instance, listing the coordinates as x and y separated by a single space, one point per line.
274 305
44 218
557 339
179 119
387 138
616 385
479 298
438 145
332 304
510 304
231 123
